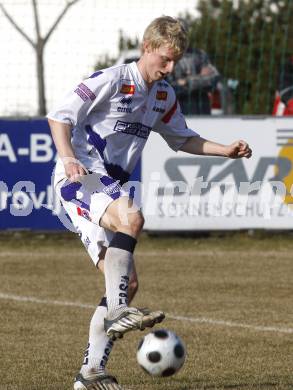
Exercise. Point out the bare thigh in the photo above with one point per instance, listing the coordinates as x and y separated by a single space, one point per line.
122 215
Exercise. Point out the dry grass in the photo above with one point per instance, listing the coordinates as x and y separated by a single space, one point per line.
234 278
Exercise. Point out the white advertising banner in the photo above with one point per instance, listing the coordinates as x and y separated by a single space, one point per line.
188 192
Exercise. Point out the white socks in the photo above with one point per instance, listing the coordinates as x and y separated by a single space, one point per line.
118 265
99 347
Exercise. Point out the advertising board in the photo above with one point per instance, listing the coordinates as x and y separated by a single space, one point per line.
188 192
27 160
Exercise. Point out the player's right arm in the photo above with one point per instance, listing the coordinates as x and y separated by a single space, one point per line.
61 133
74 108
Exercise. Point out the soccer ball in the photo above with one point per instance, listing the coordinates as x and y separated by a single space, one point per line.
161 353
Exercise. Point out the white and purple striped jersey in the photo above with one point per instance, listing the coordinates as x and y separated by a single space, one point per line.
112 114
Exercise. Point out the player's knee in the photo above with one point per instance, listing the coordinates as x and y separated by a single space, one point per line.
133 226
136 223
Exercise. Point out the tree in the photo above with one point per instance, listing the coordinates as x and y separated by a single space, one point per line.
39 45
104 61
124 43
248 41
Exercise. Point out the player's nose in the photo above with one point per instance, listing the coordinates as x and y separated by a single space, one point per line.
171 66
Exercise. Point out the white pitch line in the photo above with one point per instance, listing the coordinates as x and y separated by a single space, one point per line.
231 324
20 298
201 320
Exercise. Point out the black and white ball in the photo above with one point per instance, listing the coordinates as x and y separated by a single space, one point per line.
161 353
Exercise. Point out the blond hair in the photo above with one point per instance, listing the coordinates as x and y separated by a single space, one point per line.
168 31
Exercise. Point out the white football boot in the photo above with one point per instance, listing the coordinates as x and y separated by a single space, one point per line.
101 382
132 319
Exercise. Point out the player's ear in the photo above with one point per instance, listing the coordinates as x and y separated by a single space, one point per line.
146 47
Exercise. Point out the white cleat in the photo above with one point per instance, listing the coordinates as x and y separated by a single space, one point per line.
132 319
101 382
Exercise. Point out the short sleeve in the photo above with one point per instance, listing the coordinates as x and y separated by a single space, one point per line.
173 128
79 102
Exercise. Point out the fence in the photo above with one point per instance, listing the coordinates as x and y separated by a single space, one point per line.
250 43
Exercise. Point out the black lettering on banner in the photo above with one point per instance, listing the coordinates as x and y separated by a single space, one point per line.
174 167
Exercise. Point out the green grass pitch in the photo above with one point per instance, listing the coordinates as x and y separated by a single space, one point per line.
234 291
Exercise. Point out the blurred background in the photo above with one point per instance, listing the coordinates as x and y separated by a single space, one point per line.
89 33
48 46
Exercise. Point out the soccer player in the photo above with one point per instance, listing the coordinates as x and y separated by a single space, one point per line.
100 130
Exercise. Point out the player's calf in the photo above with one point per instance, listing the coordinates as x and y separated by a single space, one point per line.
132 289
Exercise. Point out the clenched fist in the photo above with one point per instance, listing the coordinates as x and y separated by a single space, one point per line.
238 149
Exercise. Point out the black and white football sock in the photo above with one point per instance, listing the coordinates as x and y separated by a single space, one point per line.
99 346
118 265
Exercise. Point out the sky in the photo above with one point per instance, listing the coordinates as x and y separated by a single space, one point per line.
88 31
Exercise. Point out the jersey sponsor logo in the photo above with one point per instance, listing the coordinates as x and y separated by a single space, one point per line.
128 110
136 128
159 109
125 100
161 95
85 93
127 89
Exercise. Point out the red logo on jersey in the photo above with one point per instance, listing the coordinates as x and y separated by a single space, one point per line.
127 89
162 95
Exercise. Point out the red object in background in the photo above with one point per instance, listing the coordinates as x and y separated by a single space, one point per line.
215 99
279 106
289 108
283 104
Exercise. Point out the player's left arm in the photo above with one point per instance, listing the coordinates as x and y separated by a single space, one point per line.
200 146
174 130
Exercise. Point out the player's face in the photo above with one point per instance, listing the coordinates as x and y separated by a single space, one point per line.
159 63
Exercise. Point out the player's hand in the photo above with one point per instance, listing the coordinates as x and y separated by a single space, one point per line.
239 149
74 171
